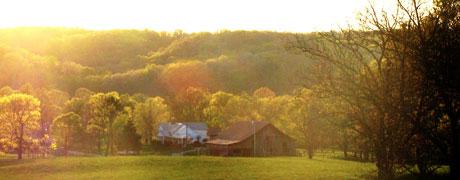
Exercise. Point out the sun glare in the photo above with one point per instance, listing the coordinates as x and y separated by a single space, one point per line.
190 16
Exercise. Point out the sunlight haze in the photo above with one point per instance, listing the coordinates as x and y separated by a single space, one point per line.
190 16
229 89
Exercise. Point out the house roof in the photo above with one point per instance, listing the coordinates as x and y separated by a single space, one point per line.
191 125
179 130
196 125
238 132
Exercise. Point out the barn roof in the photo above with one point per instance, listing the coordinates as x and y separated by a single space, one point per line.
238 132
213 131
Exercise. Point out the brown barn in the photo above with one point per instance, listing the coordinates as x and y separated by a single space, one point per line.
238 140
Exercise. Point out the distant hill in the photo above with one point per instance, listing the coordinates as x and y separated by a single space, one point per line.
148 62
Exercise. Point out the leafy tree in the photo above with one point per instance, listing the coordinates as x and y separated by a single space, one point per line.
305 112
4 91
20 67
399 71
148 115
272 108
241 108
83 93
87 141
19 115
264 92
104 110
66 128
189 104
52 102
27 88
429 42
179 76
215 112
125 131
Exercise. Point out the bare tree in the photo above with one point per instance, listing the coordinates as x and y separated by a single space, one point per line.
370 71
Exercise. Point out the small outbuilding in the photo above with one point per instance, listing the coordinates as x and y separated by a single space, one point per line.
251 138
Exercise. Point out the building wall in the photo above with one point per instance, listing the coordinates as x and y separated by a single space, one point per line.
218 150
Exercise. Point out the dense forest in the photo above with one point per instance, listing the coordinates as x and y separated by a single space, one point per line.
386 92
148 62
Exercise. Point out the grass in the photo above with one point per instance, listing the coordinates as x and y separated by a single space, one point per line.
185 167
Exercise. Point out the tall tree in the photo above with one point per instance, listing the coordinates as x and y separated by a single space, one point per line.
19 115
398 71
188 104
215 112
104 109
359 70
52 102
264 92
6 91
430 43
148 115
305 113
66 128
127 138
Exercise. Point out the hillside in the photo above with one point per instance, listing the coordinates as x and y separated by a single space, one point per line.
148 62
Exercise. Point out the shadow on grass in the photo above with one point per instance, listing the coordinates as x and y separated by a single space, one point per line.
356 159
11 162
369 175
372 175
414 177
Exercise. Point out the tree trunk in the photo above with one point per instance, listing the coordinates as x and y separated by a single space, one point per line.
383 164
20 141
107 150
345 144
454 164
66 143
310 152
384 168
99 148
422 168
366 152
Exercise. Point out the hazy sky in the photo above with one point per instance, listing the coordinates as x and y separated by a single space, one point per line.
188 15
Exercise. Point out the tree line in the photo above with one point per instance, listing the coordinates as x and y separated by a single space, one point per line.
38 121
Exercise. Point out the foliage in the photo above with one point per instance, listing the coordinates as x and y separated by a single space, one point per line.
126 137
264 92
396 74
103 61
148 115
19 115
104 110
216 113
189 104
66 128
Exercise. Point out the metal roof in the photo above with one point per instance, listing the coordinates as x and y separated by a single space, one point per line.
238 132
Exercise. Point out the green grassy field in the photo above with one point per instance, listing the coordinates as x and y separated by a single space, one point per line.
185 167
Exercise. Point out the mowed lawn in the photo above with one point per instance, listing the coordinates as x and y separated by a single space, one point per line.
185 167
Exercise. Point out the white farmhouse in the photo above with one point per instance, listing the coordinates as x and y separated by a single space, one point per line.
183 132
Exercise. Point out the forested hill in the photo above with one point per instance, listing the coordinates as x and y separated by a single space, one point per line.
148 62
